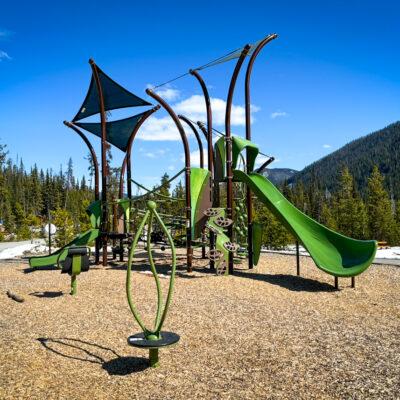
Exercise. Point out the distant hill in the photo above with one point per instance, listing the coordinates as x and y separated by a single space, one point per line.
278 175
381 148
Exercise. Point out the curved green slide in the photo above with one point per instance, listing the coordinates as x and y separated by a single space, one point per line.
332 252
82 240
94 212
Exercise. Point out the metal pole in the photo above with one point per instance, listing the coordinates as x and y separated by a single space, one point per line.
96 177
49 225
353 282
166 106
249 204
229 189
126 164
200 145
336 282
104 169
210 150
297 258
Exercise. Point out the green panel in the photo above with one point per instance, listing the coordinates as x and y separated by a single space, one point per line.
238 144
82 240
220 160
257 241
199 178
94 212
332 252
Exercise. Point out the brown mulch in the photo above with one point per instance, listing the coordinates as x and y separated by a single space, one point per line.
260 334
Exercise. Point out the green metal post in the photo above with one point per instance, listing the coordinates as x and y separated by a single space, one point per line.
74 288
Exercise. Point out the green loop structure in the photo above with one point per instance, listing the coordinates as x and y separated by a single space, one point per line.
151 334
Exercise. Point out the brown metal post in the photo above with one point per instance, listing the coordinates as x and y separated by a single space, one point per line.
336 282
200 145
297 258
104 169
248 137
126 162
353 282
167 107
229 172
96 176
210 150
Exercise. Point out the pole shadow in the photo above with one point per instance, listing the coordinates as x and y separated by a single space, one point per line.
95 354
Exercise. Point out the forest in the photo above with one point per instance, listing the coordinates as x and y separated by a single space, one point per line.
29 198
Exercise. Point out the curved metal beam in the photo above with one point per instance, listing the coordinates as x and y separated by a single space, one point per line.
170 111
127 157
249 204
229 173
196 134
93 155
210 155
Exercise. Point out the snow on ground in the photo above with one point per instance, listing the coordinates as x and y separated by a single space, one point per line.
17 249
392 253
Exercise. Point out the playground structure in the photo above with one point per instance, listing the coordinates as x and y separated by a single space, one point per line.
112 218
230 227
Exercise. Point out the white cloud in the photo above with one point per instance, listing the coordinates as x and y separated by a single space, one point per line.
171 168
155 154
4 56
326 146
167 93
195 158
164 129
278 114
195 109
158 129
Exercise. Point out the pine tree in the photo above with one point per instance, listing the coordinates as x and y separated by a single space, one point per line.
380 219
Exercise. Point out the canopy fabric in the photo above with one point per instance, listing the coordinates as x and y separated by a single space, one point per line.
230 56
115 96
118 132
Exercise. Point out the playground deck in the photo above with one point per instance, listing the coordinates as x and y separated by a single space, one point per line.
259 334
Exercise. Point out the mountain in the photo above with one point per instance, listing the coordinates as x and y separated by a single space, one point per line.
381 148
279 175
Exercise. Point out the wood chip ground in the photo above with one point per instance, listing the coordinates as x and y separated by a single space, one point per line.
261 334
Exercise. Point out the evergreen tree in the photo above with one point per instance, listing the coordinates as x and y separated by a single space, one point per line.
380 219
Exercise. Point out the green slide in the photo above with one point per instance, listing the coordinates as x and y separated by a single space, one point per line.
332 252
82 240
199 198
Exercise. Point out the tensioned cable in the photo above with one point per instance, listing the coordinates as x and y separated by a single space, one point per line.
198 68
221 134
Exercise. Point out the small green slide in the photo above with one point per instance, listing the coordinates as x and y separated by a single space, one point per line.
332 252
82 240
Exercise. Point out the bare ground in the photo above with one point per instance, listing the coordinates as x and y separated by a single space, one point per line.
260 334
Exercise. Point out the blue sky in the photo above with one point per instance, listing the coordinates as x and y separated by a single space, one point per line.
331 76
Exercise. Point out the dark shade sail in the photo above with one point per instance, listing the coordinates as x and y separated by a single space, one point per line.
118 132
115 96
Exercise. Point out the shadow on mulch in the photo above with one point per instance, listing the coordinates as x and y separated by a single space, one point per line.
45 268
116 366
47 295
291 282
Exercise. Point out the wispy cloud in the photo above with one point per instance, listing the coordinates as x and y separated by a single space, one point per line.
4 33
279 114
4 56
326 146
168 93
155 154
